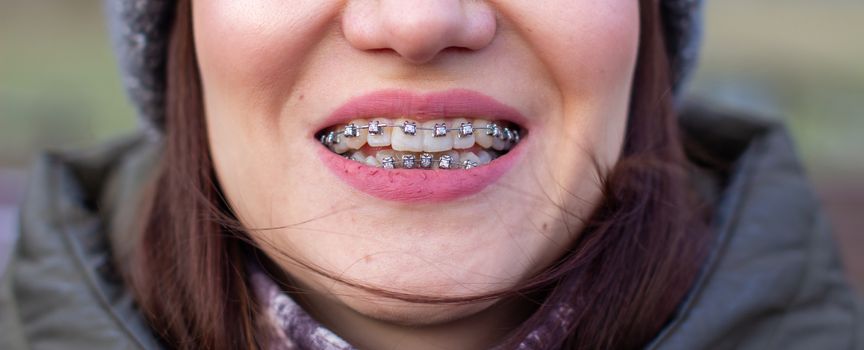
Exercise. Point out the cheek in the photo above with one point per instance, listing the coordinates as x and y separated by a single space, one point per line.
250 52
589 47
250 55
590 50
235 42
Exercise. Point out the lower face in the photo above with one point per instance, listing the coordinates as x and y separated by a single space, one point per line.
292 94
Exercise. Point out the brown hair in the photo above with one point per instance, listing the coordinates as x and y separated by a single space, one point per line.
632 264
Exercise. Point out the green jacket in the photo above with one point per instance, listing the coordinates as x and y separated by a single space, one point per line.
772 281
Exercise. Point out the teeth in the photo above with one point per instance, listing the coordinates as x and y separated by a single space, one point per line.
465 129
402 139
371 161
499 143
434 144
435 136
463 139
493 130
382 138
388 163
353 136
455 154
409 127
445 162
454 159
330 138
484 157
337 142
374 127
389 159
469 157
439 130
426 160
351 130
382 154
408 161
481 136
358 156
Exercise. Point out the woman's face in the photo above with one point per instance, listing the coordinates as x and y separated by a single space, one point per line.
277 75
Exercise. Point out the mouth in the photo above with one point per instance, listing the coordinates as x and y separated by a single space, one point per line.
457 143
397 145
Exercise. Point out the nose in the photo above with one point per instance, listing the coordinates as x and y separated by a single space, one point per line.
418 30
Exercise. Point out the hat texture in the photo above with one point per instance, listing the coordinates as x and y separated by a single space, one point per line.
140 30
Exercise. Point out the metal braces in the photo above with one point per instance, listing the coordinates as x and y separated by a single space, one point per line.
410 128
409 161
426 161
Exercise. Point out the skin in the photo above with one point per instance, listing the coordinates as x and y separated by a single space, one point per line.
270 69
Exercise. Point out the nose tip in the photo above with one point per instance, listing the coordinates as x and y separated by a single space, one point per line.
420 38
418 31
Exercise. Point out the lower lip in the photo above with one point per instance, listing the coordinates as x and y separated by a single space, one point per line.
418 185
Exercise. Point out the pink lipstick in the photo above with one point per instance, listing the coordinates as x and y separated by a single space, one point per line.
430 184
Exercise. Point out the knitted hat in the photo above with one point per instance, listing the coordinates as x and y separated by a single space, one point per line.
140 29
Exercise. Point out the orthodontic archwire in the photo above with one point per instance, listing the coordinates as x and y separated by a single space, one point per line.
409 161
410 128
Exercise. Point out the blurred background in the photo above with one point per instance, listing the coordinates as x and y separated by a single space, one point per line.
799 60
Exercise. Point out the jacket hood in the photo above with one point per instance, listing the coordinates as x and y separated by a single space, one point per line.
772 281
140 30
61 289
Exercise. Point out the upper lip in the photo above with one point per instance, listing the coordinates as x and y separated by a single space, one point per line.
422 107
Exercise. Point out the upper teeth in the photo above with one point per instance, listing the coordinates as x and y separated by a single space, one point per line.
374 127
465 129
434 136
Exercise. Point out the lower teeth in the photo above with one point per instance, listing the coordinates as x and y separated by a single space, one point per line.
389 159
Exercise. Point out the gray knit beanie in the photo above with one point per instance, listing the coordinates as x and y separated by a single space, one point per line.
140 29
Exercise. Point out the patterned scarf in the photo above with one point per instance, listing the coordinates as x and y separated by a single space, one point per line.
297 330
